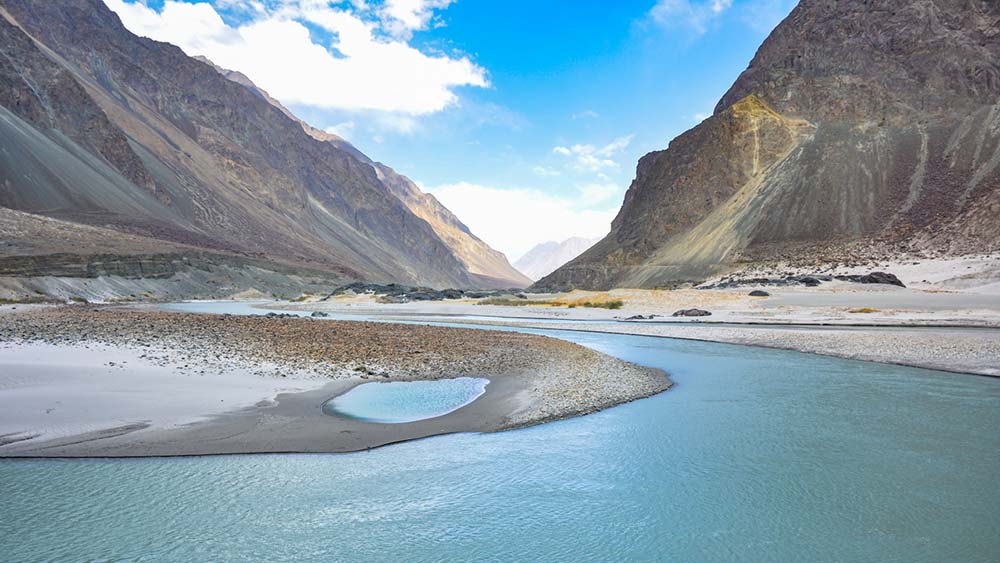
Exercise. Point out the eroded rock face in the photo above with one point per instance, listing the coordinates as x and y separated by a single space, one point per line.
100 127
858 124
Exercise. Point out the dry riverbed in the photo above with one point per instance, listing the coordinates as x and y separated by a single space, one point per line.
87 360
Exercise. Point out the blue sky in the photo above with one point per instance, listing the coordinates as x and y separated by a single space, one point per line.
526 118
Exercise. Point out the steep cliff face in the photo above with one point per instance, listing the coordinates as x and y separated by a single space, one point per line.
858 127
101 127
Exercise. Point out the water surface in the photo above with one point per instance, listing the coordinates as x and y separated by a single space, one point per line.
398 402
754 455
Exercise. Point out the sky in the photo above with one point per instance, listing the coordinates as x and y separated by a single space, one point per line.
526 118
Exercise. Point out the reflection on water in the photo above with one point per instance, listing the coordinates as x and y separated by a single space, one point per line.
406 401
754 455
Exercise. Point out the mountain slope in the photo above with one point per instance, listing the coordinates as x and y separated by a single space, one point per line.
104 128
546 257
487 267
859 129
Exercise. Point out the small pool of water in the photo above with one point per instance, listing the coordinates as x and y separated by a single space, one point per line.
398 402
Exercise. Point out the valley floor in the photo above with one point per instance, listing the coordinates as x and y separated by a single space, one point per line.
947 318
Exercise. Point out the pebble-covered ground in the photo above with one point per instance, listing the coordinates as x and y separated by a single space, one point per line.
972 350
563 379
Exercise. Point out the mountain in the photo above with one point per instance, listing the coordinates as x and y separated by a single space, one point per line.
487 267
860 129
546 257
128 135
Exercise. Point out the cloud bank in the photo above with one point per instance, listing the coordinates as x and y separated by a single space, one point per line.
514 220
367 65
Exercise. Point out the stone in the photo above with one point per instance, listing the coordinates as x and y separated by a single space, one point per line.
692 313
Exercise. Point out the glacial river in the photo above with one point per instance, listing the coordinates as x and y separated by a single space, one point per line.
754 455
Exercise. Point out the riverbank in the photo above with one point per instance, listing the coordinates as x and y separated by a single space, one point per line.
946 318
128 378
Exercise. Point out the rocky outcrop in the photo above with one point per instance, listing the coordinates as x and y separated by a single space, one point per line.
858 125
103 128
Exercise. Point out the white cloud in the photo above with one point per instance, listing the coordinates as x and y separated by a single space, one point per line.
341 129
592 194
586 114
592 158
515 220
361 69
695 15
545 171
397 123
402 17
701 116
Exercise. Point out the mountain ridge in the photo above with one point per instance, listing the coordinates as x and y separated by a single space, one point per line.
546 257
859 130
103 128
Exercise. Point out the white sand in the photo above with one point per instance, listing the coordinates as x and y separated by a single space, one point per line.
58 391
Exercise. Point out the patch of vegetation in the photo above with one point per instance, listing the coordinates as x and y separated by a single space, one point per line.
26 300
508 302
300 298
863 310
613 305
75 299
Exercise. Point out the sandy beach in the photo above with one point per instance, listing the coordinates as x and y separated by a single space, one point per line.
84 381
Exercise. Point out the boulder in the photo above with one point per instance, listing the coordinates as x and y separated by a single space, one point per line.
759 293
692 313
882 277
319 314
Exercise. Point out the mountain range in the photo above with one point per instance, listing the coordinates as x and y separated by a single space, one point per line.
860 130
546 257
149 156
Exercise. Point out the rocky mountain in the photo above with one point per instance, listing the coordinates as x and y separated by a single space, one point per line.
546 257
860 129
104 129
487 267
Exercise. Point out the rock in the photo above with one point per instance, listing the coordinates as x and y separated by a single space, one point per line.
808 281
759 293
692 313
639 317
882 277
452 293
874 277
319 314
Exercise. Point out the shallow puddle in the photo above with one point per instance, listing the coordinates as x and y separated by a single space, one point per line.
398 402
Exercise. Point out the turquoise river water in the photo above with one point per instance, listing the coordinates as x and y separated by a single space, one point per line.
754 455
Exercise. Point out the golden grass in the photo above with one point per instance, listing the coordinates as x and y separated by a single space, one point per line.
864 310
558 302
